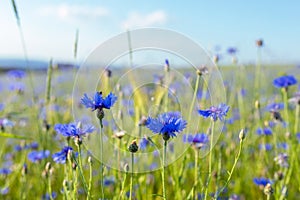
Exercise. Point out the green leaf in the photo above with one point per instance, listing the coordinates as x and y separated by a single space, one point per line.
9 135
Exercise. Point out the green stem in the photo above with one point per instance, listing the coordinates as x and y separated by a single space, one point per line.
286 115
297 118
166 101
210 159
131 178
101 159
123 186
89 196
49 187
233 167
75 184
80 167
194 97
196 173
163 169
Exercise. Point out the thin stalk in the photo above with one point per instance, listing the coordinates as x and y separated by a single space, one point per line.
296 118
194 97
89 196
101 159
131 178
219 172
237 157
210 159
123 186
163 169
75 183
79 164
50 187
196 174
286 115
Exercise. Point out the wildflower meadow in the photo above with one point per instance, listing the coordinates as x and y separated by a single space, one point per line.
117 127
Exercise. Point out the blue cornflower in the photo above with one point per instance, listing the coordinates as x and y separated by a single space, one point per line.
36 156
143 143
5 171
4 190
284 81
61 157
266 147
282 160
47 196
215 112
298 137
4 122
199 139
167 124
275 107
99 102
231 50
73 130
2 106
110 180
261 181
17 86
16 74
265 131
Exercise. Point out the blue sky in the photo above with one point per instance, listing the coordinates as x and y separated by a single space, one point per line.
49 26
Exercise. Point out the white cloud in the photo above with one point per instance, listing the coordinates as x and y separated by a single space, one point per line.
71 12
141 20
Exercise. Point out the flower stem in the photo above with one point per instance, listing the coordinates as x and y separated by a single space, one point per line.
131 178
49 187
101 160
80 167
233 167
194 97
210 159
123 186
163 169
89 196
195 173
297 118
286 115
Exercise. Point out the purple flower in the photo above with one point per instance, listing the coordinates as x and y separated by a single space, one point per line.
16 74
199 139
232 50
109 181
282 160
73 130
4 122
298 137
167 124
275 107
2 106
265 131
261 181
215 112
266 147
143 143
5 171
284 81
36 156
99 102
47 196
61 157
17 86
4 190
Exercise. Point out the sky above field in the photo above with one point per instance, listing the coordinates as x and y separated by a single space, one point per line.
49 26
